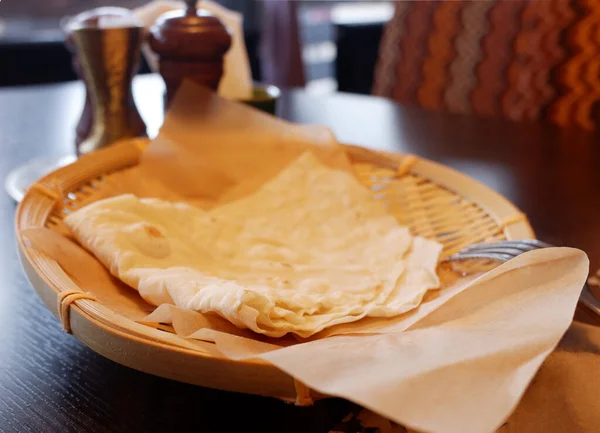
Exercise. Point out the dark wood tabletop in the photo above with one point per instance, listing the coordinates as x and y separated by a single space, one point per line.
51 382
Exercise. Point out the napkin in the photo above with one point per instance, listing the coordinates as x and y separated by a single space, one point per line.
462 368
236 82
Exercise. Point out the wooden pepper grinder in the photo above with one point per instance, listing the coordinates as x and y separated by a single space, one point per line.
190 44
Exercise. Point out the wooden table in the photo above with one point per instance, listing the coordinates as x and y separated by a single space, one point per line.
51 382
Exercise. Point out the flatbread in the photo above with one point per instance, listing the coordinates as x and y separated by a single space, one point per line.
308 250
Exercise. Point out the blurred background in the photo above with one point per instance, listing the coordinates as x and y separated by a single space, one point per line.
337 40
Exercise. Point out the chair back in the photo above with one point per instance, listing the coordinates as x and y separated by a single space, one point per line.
519 59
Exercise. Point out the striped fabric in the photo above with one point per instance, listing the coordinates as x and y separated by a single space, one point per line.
519 59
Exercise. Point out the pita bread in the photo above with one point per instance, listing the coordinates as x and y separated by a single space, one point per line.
308 250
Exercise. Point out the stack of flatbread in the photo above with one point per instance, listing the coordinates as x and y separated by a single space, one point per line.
309 249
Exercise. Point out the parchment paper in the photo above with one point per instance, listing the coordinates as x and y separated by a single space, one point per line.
208 145
562 397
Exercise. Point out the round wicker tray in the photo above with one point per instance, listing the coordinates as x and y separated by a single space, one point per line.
433 200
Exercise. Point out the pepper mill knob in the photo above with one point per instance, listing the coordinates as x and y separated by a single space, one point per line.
190 7
190 44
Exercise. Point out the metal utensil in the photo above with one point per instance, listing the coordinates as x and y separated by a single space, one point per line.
503 251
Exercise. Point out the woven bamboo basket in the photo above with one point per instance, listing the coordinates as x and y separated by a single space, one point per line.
433 200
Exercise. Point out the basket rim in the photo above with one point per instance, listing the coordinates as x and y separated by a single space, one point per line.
433 171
